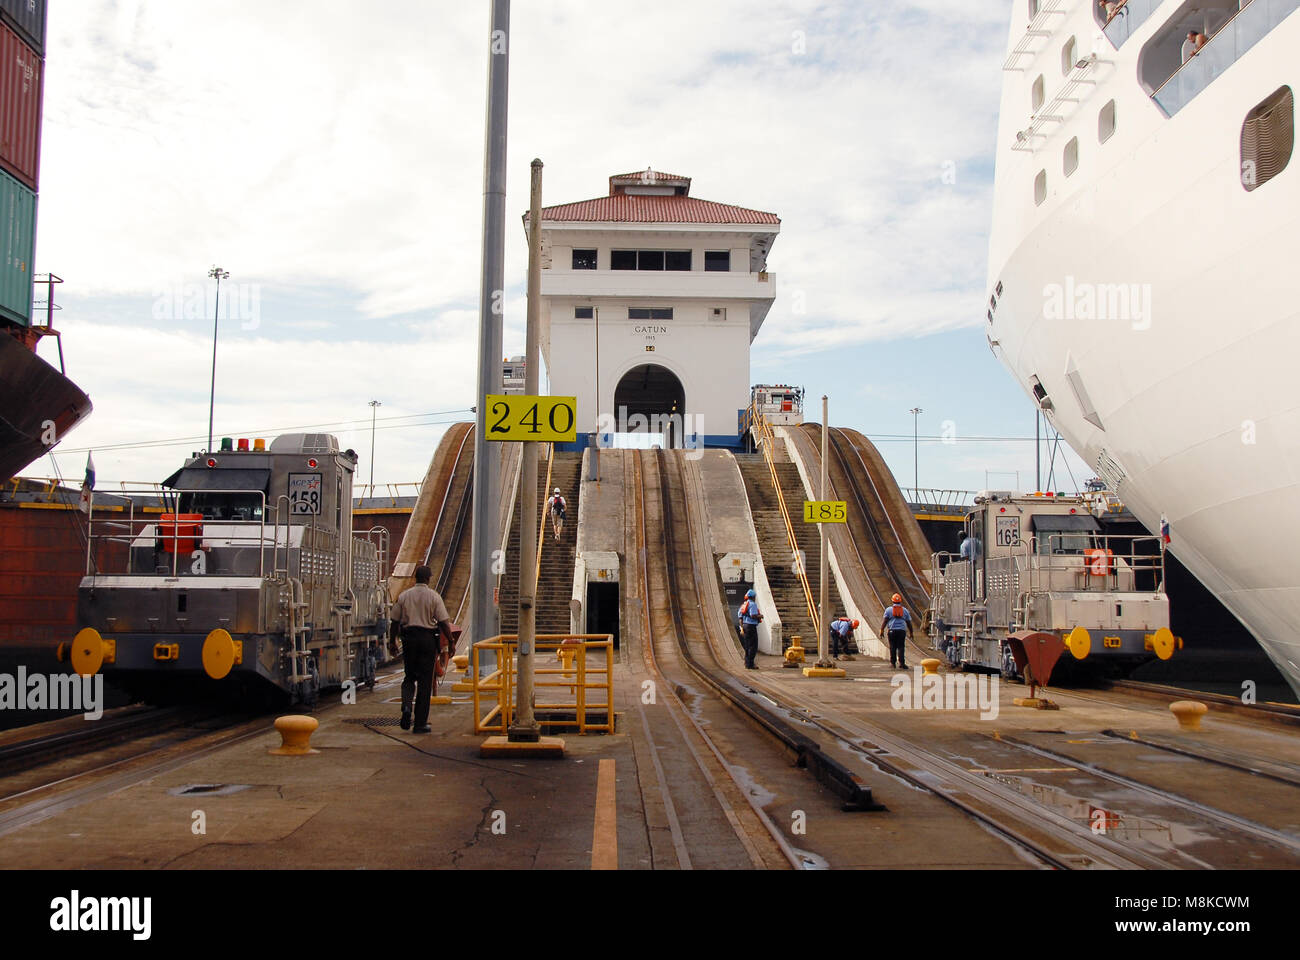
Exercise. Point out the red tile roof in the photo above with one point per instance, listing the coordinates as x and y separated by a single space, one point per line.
625 208
646 177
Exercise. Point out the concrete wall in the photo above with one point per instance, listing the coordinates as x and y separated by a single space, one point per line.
731 531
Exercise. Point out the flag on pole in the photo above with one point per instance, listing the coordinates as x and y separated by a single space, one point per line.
1164 529
88 484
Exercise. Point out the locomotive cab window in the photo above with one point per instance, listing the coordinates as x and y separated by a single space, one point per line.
1064 535
223 507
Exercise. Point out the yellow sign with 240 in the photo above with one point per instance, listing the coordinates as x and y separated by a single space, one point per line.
513 418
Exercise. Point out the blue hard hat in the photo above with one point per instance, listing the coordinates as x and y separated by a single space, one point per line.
751 595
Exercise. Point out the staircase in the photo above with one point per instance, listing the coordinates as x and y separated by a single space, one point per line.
555 584
774 544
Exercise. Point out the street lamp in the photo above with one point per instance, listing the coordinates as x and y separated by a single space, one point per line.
216 273
916 448
374 405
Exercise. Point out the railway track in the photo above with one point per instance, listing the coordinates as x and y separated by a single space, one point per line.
672 624
48 748
1139 826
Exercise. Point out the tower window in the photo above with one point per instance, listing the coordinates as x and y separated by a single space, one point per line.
717 261
584 313
622 260
1106 122
1267 139
584 259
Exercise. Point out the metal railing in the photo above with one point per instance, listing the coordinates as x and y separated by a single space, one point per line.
767 440
1097 565
392 493
936 500
195 534
1124 22
1228 45
582 656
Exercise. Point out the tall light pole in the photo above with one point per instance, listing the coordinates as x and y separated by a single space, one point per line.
916 447
374 405
216 273
484 618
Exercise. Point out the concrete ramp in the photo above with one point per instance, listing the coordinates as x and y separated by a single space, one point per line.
881 550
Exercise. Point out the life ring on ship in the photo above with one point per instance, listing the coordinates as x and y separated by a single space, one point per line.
1098 562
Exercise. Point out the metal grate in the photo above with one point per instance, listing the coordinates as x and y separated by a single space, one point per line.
373 721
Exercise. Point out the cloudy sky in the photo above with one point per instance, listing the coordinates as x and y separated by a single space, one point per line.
329 154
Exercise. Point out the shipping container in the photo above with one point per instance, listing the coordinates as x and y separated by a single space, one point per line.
28 18
21 92
17 249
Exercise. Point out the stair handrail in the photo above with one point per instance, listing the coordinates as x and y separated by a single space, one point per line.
541 523
766 438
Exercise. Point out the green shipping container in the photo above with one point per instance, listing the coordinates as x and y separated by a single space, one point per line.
17 250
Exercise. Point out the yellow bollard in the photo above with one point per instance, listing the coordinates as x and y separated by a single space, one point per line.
567 655
1188 713
794 655
295 736
931 665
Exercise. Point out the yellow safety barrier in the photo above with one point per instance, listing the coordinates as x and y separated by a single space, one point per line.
587 669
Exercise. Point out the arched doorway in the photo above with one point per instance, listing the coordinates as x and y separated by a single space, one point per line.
650 399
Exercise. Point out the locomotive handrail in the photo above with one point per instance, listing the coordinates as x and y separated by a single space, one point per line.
174 536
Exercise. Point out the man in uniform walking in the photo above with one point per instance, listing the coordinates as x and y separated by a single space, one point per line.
421 615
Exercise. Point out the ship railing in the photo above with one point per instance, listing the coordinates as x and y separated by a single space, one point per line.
1245 28
1124 21
194 538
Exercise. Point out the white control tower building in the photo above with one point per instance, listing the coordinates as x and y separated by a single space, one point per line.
650 301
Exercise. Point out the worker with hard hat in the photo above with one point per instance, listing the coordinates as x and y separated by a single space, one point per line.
749 618
841 637
897 626
557 507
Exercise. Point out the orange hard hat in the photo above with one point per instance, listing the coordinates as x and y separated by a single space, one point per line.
896 598
855 624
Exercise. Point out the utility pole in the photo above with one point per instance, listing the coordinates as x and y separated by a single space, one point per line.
916 448
217 274
524 727
487 456
374 405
